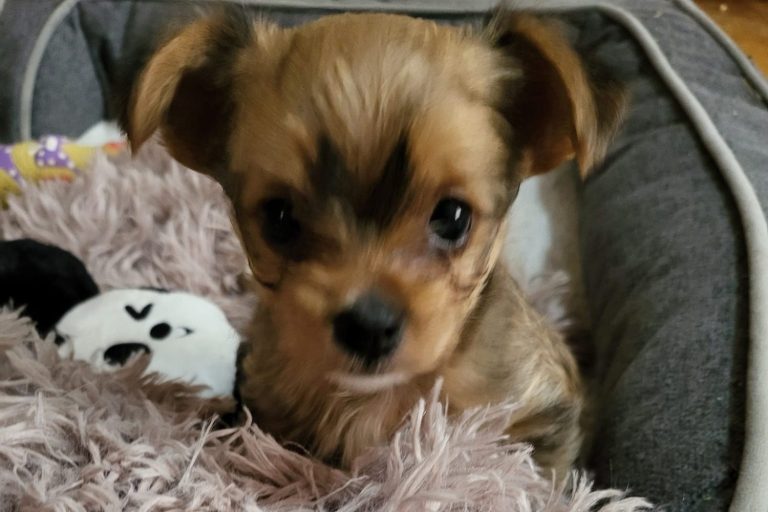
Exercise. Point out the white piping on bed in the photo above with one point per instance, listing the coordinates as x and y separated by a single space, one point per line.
754 76
425 6
2 5
33 64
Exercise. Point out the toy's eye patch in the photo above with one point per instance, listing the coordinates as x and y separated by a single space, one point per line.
163 330
119 354
139 315
160 331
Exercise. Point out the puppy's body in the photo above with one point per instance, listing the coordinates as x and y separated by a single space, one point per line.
370 160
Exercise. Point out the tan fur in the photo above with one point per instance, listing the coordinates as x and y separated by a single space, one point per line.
364 82
159 81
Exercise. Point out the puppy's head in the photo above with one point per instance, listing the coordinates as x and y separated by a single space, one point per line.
370 161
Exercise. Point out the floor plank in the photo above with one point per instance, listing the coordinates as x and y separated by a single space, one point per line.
746 21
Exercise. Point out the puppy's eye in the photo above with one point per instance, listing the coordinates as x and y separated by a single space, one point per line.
279 226
450 223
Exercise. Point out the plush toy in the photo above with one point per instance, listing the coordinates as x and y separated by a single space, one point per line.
50 158
187 337
44 280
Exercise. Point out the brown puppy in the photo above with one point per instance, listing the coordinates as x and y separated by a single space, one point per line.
370 160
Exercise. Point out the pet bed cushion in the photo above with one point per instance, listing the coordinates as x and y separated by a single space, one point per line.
672 226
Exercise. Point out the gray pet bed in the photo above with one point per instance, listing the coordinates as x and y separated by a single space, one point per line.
674 240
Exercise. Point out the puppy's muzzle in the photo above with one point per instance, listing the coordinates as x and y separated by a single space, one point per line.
370 329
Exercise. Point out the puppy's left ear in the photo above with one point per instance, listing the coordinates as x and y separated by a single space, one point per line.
555 108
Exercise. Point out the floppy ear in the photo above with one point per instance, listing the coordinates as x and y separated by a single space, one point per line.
185 91
556 110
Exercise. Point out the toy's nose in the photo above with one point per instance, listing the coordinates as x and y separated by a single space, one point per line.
371 328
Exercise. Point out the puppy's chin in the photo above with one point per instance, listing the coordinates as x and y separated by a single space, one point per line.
364 384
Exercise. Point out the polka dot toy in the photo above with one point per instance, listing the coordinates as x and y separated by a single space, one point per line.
52 157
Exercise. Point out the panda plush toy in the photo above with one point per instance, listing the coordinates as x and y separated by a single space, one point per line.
43 280
185 336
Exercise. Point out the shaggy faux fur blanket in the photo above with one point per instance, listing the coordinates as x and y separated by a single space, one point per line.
72 439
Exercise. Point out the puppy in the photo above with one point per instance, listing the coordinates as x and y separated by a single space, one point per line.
370 160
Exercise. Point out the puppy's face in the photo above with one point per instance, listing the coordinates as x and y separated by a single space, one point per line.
370 161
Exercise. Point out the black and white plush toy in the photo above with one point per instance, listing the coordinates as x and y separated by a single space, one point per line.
42 280
186 337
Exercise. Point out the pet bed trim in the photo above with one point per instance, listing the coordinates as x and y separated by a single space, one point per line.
33 64
422 6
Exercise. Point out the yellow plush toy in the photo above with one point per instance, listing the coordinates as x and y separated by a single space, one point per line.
51 158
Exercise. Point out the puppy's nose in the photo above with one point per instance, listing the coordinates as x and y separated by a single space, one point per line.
370 328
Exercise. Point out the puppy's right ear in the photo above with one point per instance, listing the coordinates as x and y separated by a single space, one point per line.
185 91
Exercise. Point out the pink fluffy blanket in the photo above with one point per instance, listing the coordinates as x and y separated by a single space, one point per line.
72 439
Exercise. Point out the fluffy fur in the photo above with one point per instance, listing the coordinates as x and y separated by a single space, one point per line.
361 124
74 440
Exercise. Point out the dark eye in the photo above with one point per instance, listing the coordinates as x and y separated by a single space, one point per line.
450 222
279 226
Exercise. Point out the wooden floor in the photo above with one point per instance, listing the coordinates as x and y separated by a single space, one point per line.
746 21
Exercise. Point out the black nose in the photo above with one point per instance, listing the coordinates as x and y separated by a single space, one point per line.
370 329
